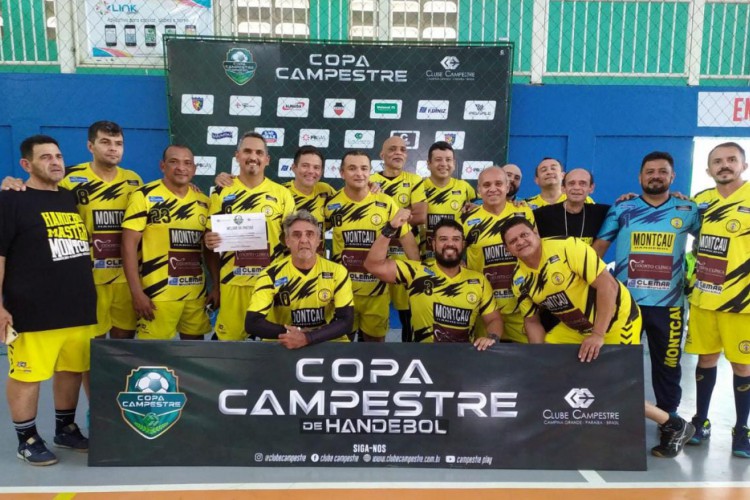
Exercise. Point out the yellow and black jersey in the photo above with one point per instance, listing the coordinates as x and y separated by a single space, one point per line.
562 285
443 203
356 225
406 189
313 203
444 309
722 268
102 206
171 246
269 198
537 201
486 252
288 296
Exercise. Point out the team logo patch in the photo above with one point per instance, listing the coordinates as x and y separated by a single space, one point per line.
268 210
733 226
454 205
239 65
403 198
376 219
202 220
557 278
151 402
676 223
471 298
324 295
744 347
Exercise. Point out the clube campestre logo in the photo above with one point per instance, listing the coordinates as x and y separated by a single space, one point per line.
151 402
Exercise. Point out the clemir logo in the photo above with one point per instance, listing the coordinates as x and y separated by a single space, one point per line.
579 398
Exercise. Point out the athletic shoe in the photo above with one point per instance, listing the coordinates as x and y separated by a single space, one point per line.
71 438
702 431
34 452
673 440
741 442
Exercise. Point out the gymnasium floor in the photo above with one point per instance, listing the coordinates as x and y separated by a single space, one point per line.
705 472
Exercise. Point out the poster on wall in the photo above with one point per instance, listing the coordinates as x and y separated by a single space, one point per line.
134 28
338 97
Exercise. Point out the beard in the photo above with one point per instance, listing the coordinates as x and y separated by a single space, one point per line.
656 189
512 190
448 262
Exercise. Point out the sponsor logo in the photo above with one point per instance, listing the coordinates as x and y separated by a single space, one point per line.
557 278
471 169
317 137
579 398
381 109
447 71
324 295
285 167
225 136
339 108
744 347
342 68
239 65
733 226
455 138
479 110
78 179
205 165
359 139
245 105
432 110
332 170
450 62
376 220
410 137
471 298
106 8
151 402
293 107
273 136
197 104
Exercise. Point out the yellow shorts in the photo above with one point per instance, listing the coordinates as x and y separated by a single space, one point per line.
36 356
710 332
175 316
563 334
399 296
230 321
114 307
371 314
512 328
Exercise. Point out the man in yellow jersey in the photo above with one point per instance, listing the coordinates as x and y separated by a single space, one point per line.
447 299
514 180
47 293
356 216
407 190
302 299
167 218
720 301
102 189
250 192
309 193
447 197
548 175
485 251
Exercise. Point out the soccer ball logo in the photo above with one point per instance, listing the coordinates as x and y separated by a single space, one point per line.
152 383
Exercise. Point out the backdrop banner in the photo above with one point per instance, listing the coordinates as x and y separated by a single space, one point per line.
338 97
406 405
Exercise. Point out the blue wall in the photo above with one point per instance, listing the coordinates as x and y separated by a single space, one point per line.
602 127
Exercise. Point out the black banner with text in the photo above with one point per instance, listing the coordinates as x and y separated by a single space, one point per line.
258 404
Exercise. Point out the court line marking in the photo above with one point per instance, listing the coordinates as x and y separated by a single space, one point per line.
592 477
371 486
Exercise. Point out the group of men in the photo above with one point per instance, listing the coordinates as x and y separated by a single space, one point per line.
459 265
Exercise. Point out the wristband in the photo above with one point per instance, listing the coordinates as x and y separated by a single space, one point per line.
388 230
494 336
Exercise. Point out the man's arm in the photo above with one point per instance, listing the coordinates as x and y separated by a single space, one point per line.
144 307
606 294
377 261
411 249
534 329
493 323
342 324
5 317
257 324
600 246
419 213
14 183
211 259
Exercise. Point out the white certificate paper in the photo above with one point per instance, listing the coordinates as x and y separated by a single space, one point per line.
240 232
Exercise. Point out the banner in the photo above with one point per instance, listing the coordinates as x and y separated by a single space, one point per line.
134 28
338 97
258 404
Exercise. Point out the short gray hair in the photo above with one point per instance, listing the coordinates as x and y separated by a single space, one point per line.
300 215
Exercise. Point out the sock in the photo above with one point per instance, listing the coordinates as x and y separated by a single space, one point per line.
741 399
674 423
25 430
64 418
705 380
405 318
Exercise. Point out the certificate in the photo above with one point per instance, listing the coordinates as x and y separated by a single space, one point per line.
240 231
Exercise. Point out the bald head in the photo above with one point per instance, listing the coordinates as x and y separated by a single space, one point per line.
514 178
394 155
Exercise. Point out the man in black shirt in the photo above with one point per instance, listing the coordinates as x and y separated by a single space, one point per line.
573 217
44 248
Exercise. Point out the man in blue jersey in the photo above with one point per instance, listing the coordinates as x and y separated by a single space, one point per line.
650 233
